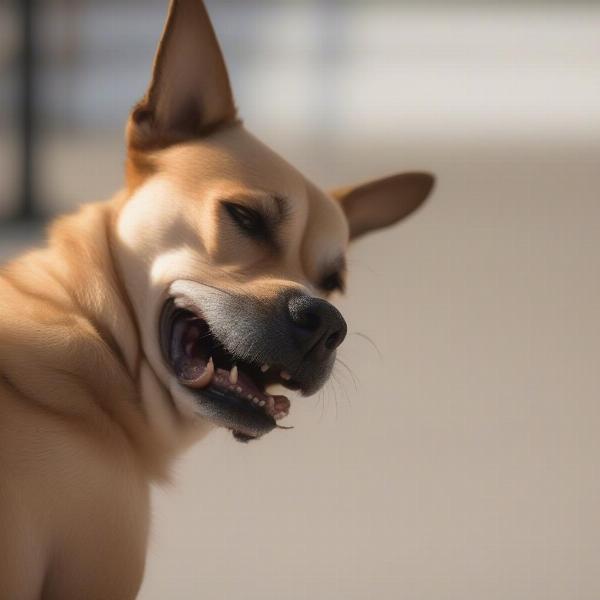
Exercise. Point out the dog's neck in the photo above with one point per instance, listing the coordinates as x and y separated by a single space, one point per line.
70 293
91 277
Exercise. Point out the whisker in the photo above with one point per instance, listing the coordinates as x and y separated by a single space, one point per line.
365 337
317 398
213 287
355 381
335 398
343 391
322 397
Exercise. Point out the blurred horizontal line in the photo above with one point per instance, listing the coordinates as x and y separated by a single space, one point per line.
279 3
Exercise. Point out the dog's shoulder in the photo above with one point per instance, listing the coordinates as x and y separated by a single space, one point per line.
68 341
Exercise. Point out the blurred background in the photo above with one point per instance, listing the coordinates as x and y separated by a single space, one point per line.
458 457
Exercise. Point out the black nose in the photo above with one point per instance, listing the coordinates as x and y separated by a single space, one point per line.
317 325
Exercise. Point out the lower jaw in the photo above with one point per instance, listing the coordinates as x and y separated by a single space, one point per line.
234 413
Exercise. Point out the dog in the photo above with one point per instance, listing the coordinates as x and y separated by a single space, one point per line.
154 317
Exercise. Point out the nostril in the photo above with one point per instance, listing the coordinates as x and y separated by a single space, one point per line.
334 340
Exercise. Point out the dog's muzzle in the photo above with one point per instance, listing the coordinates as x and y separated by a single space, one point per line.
228 349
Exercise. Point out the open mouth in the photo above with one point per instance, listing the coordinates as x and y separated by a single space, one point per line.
230 391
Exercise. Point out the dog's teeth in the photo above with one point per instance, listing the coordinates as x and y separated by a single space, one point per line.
256 400
233 374
262 403
265 368
285 375
206 377
249 396
238 389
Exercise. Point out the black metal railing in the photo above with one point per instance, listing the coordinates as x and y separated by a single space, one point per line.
26 208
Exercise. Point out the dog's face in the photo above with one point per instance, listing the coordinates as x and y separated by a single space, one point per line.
228 253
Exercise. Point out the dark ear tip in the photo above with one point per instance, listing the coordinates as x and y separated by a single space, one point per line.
423 185
421 182
425 182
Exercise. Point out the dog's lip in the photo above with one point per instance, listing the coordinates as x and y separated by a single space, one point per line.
230 397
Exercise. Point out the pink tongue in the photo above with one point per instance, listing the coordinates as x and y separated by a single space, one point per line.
193 369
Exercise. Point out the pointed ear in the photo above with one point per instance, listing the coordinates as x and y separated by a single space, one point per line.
383 202
189 94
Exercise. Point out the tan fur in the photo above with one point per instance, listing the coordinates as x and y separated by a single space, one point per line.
70 414
90 415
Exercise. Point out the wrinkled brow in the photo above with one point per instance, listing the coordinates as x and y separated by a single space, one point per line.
276 211
282 205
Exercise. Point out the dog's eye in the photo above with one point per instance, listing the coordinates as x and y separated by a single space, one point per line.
333 282
248 220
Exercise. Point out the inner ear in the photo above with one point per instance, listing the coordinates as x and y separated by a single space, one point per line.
383 202
190 93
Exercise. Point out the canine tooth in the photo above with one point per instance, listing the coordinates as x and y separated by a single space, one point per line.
285 375
262 403
206 377
255 400
238 389
265 368
249 396
233 375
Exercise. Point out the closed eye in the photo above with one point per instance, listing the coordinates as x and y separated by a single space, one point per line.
250 221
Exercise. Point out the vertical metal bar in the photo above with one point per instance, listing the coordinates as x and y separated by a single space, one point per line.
26 109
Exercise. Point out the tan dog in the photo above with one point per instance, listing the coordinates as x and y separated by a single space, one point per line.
155 316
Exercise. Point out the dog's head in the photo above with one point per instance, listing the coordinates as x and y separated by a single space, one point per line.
228 253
